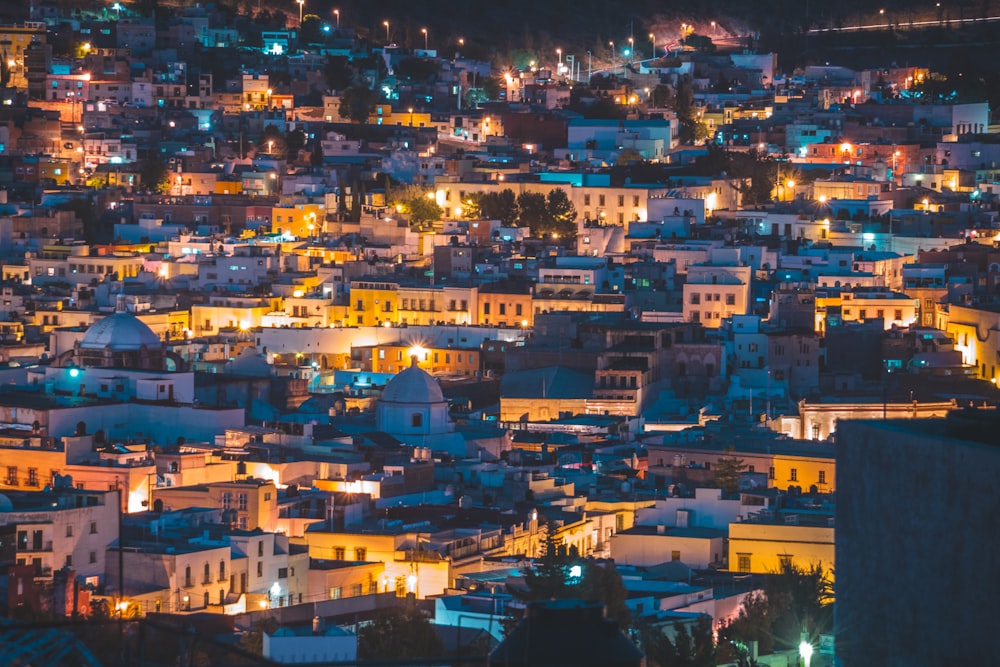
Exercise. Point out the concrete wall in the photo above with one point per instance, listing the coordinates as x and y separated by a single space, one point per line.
917 513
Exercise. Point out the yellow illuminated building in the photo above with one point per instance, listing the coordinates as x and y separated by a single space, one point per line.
384 115
254 502
437 361
761 548
506 309
373 303
235 313
299 219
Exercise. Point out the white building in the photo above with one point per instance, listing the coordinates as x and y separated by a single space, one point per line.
312 644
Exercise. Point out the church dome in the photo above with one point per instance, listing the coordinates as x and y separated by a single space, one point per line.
121 332
414 385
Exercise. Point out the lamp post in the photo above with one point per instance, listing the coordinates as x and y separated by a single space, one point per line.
612 45
386 24
631 50
652 45
301 4
559 69
806 652
411 116
336 12
424 31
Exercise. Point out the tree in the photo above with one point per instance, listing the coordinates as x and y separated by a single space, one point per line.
561 213
398 634
422 70
4 70
273 142
500 206
534 212
357 103
793 601
154 176
419 204
726 473
688 648
338 72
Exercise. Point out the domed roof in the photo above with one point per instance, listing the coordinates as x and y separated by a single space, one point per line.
120 331
414 385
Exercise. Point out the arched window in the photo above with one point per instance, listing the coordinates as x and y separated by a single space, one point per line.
187 576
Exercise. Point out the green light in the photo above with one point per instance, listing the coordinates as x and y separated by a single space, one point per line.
74 372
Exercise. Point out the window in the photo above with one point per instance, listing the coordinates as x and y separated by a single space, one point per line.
360 553
32 476
93 557
227 500
11 476
730 299
282 573
222 570
207 576
770 472
69 560
335 593
188 581
260 568
355 590
695 298
339 553
784 562
242 498
416 420
69 531
260 548
675 555
93 527
795 475
743 562
822 477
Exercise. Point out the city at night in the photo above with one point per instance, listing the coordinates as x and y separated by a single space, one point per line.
553 334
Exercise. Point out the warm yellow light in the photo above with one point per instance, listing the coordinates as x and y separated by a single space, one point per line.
458 211
430 195
524 323
399 208
822 199
244 324
790 183
86 46
845 147
418 351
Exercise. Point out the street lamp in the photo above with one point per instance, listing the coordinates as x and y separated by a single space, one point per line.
336 12
612 45
386 24
300 3
631 49
424 31
806 652
269 91
652 45
270 145
411 116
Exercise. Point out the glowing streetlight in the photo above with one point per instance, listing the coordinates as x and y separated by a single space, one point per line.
631 48
301 4
386 24
806 652
652 45
336 12
424 31
269 91
270 146
461 41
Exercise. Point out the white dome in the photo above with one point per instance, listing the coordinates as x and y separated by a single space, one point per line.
120 331
414 385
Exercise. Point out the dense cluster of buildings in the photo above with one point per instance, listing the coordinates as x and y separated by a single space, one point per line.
269 388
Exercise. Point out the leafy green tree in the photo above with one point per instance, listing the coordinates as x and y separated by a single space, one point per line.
500 206
338 72
561 213
793 601
694 648
272 143
534 212
154 176
357 103
398 634
419 205
726 473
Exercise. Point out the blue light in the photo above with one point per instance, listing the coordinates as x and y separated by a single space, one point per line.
74 372
626 52
326 28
